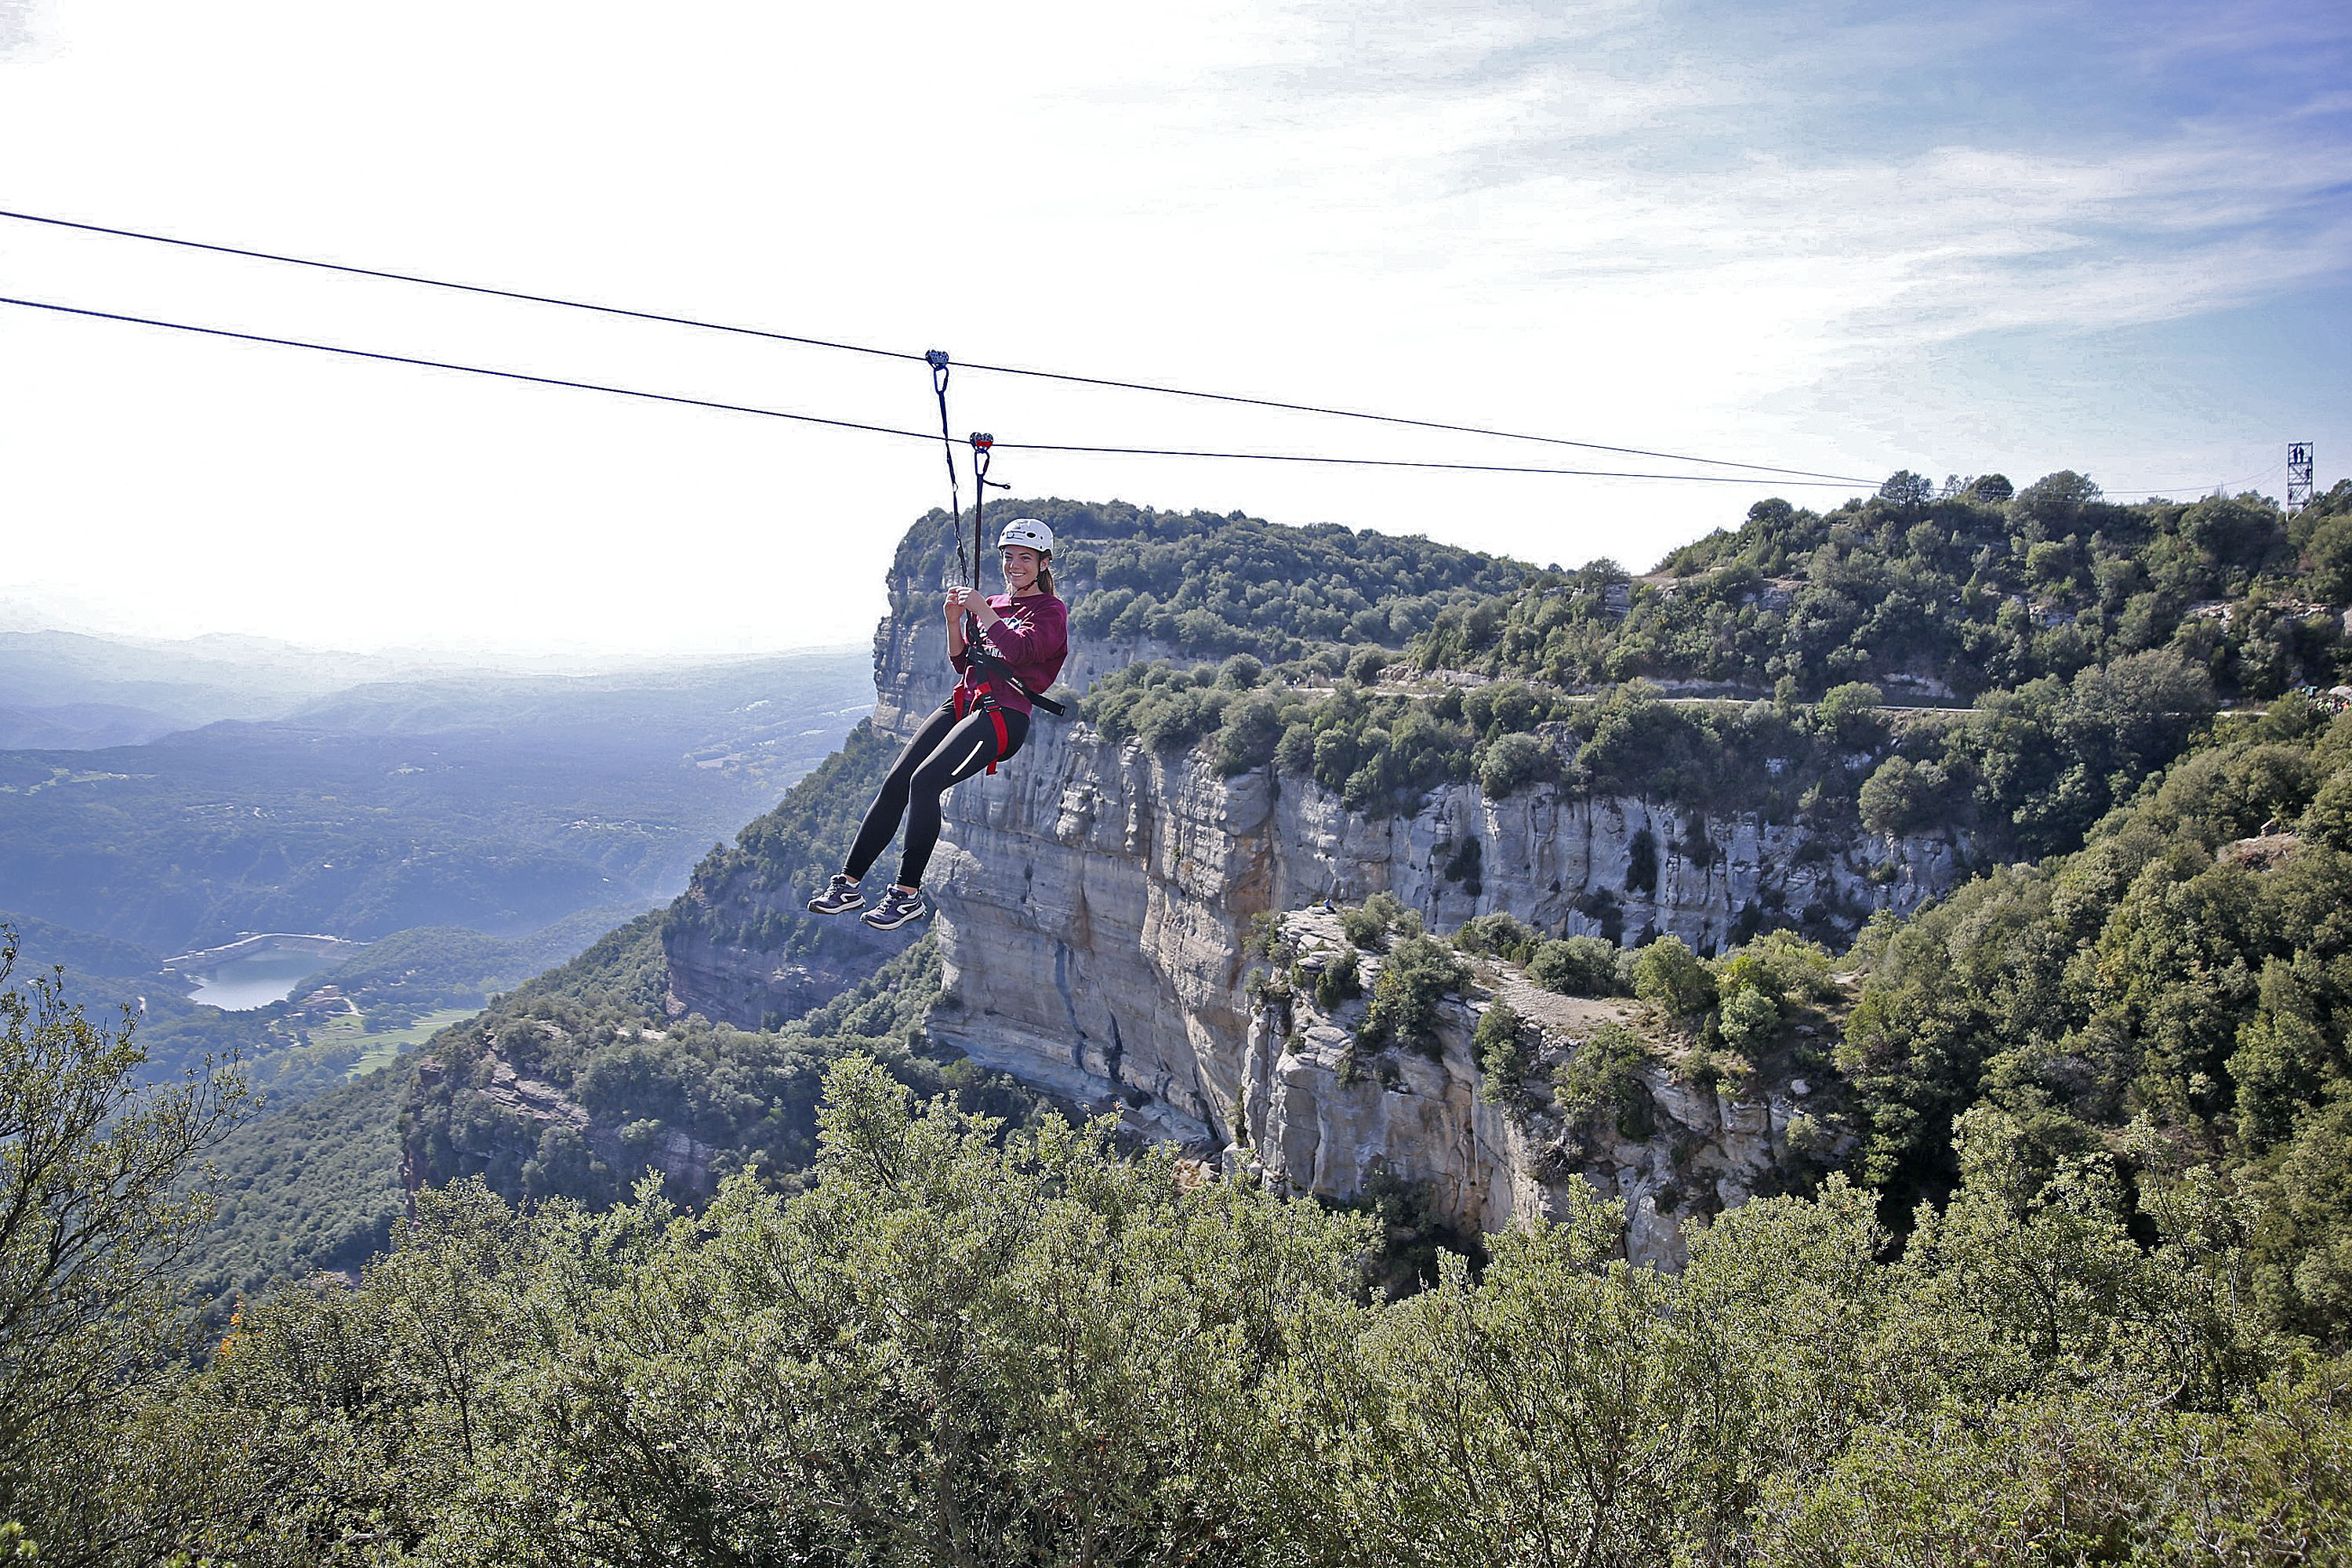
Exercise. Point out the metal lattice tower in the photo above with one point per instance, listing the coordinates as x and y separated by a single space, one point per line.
2298 474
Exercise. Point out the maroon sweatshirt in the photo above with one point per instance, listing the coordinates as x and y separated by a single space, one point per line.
1032 638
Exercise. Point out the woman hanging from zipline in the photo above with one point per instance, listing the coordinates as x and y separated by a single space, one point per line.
1024 637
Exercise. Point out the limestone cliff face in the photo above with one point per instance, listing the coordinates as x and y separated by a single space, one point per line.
1322 1115
1093 900
722 971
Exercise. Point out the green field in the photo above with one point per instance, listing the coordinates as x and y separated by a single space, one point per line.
381 1047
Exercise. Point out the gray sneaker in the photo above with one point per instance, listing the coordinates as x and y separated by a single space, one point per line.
840 897
895 910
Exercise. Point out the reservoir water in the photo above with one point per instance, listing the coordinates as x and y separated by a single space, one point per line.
258 979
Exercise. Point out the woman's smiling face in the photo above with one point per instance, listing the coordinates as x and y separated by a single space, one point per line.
1021 564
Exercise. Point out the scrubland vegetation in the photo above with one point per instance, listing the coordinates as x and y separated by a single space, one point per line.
962 1345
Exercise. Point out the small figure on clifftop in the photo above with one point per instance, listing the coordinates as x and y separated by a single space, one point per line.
1007 648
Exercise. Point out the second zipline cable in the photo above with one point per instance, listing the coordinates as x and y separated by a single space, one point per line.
884 430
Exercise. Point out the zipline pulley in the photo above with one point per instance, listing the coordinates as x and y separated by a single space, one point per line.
983 447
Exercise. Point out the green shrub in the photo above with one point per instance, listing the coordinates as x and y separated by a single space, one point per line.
1576 966
1498 935
1267 937
1849 715
1339 980
1252 734
1514 761
1598 1089
1500 1040
1781 964
1369 923
1416 975
1893 798
1296 753
1670 977
2329 818
1748 1021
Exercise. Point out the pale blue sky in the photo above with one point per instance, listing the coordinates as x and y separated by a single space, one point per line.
1953 238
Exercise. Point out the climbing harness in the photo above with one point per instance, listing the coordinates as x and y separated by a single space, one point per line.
985 703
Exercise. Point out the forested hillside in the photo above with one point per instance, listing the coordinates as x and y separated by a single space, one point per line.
1964 593
2173 998
959 1347
2066 647
1209 585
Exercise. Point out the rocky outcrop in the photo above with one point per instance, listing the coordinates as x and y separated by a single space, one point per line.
1322 1115
1093 899
498 1123
1093 902
720 969
725 962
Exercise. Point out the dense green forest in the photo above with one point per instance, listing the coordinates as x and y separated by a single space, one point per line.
1968 593
2173 997
2092 638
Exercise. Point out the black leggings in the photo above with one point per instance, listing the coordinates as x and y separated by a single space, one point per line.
945 750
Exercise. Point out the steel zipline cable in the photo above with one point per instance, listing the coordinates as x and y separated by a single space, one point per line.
1105 382
467 369
923 436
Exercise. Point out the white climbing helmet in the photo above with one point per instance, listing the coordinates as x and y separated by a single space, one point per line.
1028 533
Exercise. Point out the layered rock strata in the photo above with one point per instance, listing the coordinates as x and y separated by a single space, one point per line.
1093 902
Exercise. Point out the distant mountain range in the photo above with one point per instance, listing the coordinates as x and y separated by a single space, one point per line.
71 689
190 792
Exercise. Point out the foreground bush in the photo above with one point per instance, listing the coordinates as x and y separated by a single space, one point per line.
966 1348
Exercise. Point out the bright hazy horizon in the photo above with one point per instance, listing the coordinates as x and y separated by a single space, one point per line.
1844 239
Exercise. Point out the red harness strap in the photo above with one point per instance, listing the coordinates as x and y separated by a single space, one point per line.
995 717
